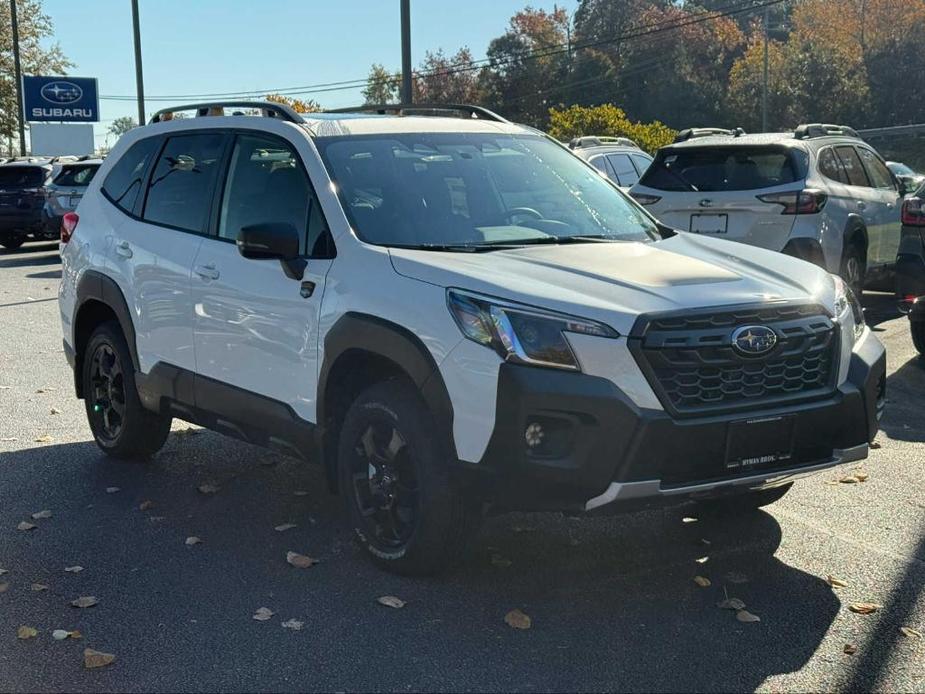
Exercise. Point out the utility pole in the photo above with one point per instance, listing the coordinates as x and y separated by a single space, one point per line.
139 77
17 76
406 89
764 90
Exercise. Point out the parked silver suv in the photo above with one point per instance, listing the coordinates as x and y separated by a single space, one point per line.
618 158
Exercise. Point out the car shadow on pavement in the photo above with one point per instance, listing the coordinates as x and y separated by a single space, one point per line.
902 419
47 275
879 307
612 600
32 258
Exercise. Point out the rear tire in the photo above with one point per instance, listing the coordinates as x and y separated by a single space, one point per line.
747 502
854 269
121 426
11 243
918 335
394 475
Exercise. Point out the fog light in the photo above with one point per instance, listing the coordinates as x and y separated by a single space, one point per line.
534 435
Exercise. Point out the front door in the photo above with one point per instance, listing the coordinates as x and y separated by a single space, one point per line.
889 208
255 328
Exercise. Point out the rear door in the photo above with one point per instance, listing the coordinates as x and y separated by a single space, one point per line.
713 190
884 246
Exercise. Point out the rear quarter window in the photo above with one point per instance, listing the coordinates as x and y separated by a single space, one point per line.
76 175
123 182
724 168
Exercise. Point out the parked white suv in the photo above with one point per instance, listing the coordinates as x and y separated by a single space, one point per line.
452 315
819 193
618 158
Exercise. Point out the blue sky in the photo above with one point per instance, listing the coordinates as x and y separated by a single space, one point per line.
209 46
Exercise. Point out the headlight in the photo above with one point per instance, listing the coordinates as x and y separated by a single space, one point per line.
845 301
519 333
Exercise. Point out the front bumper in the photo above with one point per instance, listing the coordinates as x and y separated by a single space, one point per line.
601 448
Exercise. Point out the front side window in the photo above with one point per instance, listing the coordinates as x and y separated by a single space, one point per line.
124 180
183 181
624 169
727 168
879 175
475 189
76 175
267 185
854 170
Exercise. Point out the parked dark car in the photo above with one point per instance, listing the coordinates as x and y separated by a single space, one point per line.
64 193
22 198
910 259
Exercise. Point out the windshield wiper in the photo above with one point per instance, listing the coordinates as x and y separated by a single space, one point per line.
446 247
560 240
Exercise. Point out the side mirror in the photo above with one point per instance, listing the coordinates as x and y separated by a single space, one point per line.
273 241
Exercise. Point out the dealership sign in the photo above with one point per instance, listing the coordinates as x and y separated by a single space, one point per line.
63 99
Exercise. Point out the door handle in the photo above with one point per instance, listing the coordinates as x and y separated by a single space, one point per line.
862 205
124 249
207 272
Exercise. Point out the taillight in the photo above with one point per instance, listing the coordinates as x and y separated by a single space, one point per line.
644 199
913 212
68 226
807 201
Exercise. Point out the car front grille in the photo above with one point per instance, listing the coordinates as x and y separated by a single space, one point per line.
691 363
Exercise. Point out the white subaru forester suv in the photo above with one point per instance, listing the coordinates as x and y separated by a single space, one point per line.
454 316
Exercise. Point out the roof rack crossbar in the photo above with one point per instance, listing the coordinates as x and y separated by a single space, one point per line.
599 140
811 130
692 133
268 109
471 111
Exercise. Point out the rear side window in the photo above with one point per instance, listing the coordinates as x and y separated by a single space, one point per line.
879 175
76 175
624 169
830 166
854 170
642 162
123 182
724 168
21 176
183 181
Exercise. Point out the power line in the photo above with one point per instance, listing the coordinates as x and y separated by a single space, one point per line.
556 49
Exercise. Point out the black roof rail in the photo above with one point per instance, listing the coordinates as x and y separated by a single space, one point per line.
470 111
810 130
692 133
600 140
268 109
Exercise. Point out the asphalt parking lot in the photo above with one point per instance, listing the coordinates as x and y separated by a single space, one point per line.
612 600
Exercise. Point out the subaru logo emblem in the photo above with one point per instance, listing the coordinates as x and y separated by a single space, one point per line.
61 92
706 202
754 340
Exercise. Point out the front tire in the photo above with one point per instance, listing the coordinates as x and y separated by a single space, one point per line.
121 426
854 269
918 335
747 502
394 475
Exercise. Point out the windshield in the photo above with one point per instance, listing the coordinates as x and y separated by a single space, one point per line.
21 177
723 168
475 190
76 175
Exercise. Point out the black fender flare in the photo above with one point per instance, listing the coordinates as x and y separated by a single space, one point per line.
95 286
853 229
382 338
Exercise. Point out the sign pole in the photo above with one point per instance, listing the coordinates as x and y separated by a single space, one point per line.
406 89
17 71
139 77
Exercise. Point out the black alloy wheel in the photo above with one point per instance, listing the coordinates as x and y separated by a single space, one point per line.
107 397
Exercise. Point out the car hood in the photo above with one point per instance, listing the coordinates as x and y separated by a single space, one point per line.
615 282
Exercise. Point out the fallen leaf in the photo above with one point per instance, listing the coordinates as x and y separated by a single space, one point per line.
41 514
26 526
207 488
705 543
835 582
702 581
4 571
864 607
300 561
44 439
93 659
391 601
850 649
145 505
111 490
193 540
702 560
518 620
731 604
55 410
746 616
688 519
300 492
910 633
73 569
38 587
26 633
293 624
61 634
85 601
284 527
849 479
875 445
263 614
4 587
9 438
861 476
499 561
